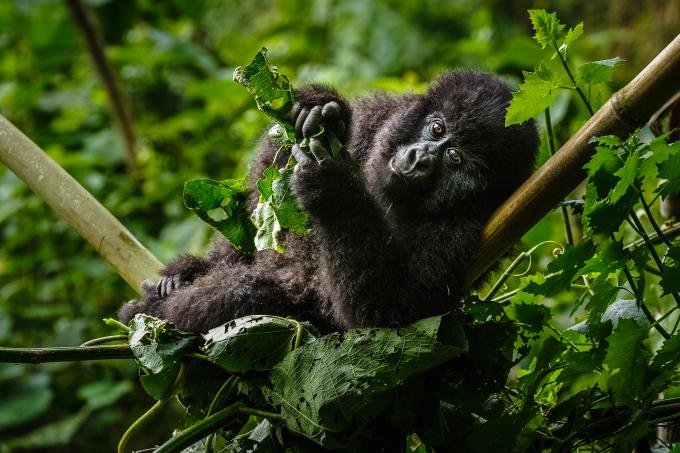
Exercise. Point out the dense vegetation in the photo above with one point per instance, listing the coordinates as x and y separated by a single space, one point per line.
176 59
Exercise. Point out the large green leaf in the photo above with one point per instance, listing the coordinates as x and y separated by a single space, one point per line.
330 387
597 71
271 89
254 342
626 361
222 205
536 93
156 344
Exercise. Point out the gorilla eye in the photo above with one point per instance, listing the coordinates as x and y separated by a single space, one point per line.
437 129
454 155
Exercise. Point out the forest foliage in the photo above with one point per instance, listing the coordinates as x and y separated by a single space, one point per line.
595 385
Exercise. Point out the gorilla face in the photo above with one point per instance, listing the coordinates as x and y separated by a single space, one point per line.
449 146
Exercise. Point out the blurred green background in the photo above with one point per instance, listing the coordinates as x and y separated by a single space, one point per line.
175 59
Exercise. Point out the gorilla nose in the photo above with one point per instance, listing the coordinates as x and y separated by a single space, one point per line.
413 162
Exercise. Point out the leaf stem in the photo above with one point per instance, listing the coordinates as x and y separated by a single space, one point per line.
115 323
652 250
153 410
260 413
107 339
655 225
199 430
572 79
506 274
508 271
225 390
551 145
648 314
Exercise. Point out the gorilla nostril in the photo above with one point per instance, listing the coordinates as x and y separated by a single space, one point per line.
424 164
413 162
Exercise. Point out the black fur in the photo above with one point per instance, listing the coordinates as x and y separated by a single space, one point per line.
388 247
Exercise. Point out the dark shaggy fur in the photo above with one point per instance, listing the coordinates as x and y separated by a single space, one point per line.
388 247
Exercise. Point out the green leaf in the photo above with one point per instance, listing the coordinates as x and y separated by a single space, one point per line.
278 209
670 171
254 343
547 27
581 370
668 356
271 89
157 385
261 439
566 267
483 311
610 258
536 93
156 344
223 206
531 317
330 387
604 294
654 154
597 71
573 34
603 214
670 279
626 361
627 175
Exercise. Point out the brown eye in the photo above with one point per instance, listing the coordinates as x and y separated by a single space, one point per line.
437 129
454 155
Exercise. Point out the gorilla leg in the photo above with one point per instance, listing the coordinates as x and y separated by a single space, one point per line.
223 295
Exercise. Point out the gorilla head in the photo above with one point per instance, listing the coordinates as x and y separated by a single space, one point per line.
450 146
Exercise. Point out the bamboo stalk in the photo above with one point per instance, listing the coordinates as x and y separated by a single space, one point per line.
77 206
626 110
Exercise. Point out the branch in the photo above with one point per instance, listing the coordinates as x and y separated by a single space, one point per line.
61 354
626 110
86 22
77 206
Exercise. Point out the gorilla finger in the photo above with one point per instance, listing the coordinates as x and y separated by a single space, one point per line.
340 129
331 110
176 282
303 160
167 286
295 111
318 150
148 286
159 286
301 121
312 122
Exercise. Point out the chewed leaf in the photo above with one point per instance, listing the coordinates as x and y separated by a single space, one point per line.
278 209
222 205
254 342
327 387
157 344
271 89
268 227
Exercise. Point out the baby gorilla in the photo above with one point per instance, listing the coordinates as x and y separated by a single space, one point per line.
396 218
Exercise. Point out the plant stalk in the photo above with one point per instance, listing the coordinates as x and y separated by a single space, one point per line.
64 354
